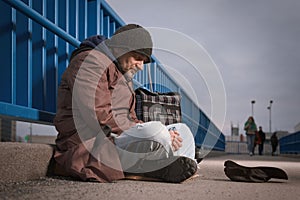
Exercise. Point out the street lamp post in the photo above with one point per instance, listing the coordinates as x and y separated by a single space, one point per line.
270 116
252 103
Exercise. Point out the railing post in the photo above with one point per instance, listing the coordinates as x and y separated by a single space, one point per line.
22 7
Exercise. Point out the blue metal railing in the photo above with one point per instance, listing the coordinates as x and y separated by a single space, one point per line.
38 47
290 143
37 17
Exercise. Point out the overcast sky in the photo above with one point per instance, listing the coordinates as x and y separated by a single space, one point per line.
254 44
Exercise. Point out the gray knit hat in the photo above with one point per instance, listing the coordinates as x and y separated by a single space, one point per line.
132 37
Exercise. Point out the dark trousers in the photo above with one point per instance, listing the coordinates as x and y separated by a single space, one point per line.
274 147
260 148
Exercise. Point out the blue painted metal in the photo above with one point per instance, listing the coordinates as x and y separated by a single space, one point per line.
25 113
14 59
290 144
22 7
38 49
6 41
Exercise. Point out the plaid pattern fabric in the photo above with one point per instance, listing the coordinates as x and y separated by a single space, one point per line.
152 106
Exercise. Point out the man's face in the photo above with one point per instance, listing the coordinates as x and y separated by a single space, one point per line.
132 61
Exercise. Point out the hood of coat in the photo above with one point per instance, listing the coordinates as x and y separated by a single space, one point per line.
97 42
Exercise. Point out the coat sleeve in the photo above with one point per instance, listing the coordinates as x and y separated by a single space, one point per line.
246 126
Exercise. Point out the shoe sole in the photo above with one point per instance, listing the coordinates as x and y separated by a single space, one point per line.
176 172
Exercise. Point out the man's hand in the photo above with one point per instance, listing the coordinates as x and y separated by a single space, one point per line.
176 140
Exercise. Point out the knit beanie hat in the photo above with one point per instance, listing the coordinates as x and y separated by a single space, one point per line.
132 37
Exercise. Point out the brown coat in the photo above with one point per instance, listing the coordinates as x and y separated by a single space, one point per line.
92 93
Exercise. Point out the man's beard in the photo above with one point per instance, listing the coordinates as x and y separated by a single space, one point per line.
130 74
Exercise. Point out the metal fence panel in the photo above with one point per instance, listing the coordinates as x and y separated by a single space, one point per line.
39 37
290 143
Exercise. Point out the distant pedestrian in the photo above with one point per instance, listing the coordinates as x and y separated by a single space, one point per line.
274 143
262 137
251 129
257 141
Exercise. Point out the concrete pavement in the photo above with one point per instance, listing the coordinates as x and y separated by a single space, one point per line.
211 184
23 161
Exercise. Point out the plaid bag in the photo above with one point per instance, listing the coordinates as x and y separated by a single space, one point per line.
153 106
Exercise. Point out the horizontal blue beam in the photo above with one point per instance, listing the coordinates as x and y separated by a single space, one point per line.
25 114
37 17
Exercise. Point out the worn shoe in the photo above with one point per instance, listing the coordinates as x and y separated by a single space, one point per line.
177 171
236 172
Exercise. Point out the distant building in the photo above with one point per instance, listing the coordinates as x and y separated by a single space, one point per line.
235 143
234 130
297 127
